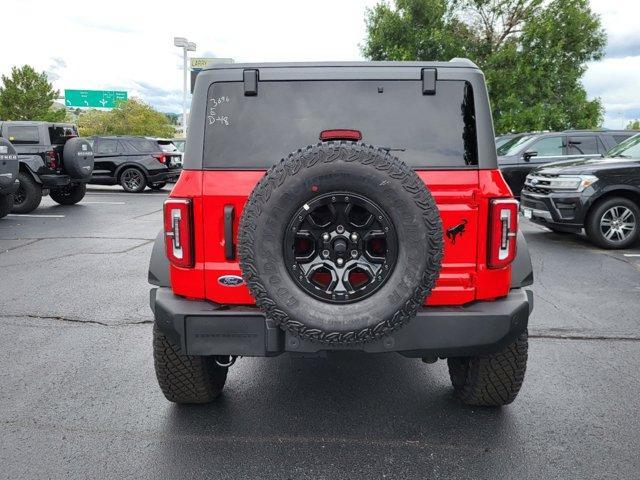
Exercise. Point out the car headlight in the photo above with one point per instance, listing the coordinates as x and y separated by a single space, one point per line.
572 182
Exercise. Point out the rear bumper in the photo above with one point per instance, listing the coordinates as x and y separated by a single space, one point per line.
57 181
205 328
164 175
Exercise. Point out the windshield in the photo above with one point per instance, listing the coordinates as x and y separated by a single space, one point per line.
630 148
513 146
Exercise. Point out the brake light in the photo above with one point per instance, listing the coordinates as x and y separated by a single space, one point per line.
52 159
503 230
178 232
161 158
340 134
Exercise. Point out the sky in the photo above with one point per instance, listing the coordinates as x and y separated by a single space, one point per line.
128 45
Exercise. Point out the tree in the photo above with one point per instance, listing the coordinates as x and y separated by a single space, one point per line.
130 117
533 52
28 95
633 125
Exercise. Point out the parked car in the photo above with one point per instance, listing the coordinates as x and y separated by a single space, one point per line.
53 161
385 236
502 139
521 155
169 146
134 163
601 195
9 167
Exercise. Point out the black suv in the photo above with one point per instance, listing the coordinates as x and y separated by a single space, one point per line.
53 160
134 163
8 176
601 195
523 153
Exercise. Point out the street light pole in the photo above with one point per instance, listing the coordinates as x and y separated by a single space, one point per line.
186 46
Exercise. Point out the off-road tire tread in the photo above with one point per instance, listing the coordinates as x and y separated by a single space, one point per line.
490 380
328 152
6 204
76 194
186 378
34 194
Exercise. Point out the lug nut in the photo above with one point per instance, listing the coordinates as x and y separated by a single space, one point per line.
325 253
354 253
354 237
325 237
340 229
339 261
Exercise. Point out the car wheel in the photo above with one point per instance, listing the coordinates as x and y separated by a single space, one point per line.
157 186
490 380
6 204
28 196
133 180
69 195
185 378
614 223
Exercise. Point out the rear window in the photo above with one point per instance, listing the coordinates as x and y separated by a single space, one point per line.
59 134
139 145
22 135
244 132
167 147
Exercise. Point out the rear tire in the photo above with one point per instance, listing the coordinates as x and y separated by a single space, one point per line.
69 195
490 380
6 204
157 186
185 378
597 228
133 180
28 196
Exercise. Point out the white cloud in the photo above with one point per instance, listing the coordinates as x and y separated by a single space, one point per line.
128 45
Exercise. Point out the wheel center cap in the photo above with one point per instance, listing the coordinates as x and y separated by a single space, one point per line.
340 246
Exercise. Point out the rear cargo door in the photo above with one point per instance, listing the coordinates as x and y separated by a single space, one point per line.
250 127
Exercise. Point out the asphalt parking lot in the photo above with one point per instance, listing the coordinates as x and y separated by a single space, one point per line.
78 396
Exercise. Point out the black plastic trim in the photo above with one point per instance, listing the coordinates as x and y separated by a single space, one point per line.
429 77
229 249
205 328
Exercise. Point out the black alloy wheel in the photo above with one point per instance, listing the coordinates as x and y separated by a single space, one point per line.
340 247
133 180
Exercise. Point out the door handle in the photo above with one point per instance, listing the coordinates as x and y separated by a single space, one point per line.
229 250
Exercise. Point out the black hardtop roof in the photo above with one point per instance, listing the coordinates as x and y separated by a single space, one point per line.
453 63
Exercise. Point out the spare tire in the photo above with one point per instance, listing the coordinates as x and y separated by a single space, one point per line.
77 158
340 243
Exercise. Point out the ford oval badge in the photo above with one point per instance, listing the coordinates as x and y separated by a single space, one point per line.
230 281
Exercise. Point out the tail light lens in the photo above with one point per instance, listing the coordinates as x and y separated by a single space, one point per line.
340 134
178 232
503 230
161 158
52 159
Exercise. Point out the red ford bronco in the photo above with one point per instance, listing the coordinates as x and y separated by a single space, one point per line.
341 206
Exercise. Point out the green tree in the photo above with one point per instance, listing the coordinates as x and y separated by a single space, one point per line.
131 117
533 52
633 125
28 95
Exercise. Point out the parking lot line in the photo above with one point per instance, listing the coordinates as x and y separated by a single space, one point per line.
631 254
103 203
36 216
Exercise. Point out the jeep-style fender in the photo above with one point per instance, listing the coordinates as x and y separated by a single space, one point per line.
159 264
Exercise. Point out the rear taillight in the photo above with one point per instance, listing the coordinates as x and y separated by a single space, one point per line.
161 158
52 160
340 134
178 232
503 230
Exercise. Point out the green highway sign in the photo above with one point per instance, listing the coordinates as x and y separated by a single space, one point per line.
93 98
